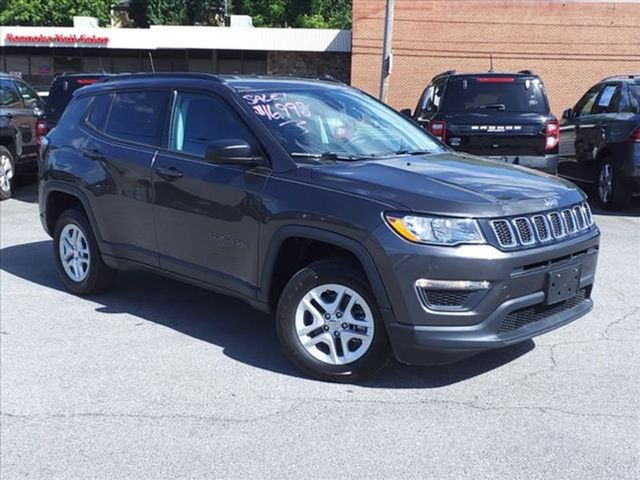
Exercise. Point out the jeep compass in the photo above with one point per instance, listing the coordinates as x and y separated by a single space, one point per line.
363 234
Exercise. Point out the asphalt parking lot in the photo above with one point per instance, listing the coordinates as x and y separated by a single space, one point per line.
163 380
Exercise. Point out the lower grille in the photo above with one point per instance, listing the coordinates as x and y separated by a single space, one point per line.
446 298
525 316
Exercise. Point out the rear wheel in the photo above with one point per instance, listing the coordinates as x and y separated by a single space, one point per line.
7 172
613 193
78 259
329 323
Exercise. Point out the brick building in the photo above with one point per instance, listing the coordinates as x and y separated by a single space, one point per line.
572 43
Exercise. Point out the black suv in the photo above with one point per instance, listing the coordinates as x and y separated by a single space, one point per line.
21 129
61 92
498 115
600 142
310 199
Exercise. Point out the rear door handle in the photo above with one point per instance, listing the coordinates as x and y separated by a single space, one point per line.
168 173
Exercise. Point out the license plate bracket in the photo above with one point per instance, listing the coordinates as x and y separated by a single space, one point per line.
563 284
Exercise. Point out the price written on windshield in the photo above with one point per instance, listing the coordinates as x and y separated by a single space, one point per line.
276 107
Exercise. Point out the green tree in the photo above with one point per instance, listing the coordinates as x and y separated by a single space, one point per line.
167 12
296 13
53 12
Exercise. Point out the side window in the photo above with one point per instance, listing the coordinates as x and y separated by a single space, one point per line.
9 95
430 100
608 100
585 104
138 116
100 111
29 97
199 120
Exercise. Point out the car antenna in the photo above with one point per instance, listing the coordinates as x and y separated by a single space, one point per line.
490 63
153 67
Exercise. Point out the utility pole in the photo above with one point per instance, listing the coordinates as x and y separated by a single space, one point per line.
387 55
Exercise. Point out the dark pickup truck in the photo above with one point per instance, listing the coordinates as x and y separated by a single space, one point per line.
498 115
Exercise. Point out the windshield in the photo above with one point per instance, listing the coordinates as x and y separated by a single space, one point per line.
487 94
337 124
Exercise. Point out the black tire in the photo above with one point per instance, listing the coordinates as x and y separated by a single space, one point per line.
320 273
6 187
99 277
618 193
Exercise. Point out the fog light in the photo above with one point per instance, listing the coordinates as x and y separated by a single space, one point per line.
453 284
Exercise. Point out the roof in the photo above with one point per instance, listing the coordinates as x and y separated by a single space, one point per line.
237 82
632 77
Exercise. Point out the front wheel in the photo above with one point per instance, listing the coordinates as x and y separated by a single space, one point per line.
613 192
78 259
329 323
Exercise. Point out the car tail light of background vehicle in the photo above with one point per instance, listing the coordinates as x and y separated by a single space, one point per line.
495 79
41 131
438 129
552 134
635 136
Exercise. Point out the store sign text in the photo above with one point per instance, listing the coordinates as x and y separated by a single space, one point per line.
86 40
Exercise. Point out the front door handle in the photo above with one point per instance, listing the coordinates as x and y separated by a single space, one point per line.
93 154
168 173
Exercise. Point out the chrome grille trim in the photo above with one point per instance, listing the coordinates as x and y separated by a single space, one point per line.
557 225
578 213
569 221
496 225
542 228
524 231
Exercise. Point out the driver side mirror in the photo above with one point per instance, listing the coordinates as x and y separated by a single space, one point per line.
406 112
567 114
232 152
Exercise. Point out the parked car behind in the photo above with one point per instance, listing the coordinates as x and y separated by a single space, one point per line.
498 115
21 129
362 232
61 92
600 142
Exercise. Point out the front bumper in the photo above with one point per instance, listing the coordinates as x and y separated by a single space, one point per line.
512 310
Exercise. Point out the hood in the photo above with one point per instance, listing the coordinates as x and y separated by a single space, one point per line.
450 184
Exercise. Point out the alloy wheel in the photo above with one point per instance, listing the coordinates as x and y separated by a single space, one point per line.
334 324
6 173
74 253
605 183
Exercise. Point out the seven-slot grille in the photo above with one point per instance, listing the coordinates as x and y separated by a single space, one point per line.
539 228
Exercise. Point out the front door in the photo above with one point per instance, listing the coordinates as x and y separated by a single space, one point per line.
207 216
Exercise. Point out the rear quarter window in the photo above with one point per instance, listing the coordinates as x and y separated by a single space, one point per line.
100 111
487 94
139 117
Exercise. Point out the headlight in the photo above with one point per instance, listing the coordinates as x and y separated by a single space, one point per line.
436 230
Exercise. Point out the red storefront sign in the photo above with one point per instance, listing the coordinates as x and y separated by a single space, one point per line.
57 39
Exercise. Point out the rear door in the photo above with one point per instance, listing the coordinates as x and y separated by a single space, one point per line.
130 127
496 116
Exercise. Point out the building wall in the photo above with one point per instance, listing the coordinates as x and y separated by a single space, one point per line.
337 65
571 44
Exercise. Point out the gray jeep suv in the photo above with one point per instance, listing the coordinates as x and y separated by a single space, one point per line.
364 234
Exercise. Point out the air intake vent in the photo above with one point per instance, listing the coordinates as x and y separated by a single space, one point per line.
525 233
542 228
569 221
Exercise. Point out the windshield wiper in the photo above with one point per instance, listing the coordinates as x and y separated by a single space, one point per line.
331 156
409 151
497 106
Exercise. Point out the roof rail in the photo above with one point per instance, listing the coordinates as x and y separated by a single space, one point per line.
444 74
620 77
526 72
135 76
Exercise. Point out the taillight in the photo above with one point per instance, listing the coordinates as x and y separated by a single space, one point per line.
41 131
552 135
635 136
438 129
